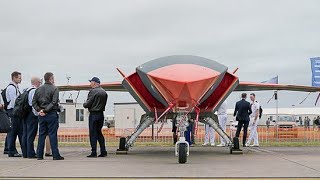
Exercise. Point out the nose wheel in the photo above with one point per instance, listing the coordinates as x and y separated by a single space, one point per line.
182 153
182 150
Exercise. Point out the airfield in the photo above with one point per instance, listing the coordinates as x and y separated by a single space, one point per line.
160 162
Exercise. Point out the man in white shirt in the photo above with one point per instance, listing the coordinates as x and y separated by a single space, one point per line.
210 132
210 136
12 93
254 120
30 123
223 118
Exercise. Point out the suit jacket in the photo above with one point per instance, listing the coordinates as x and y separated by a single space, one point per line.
242 110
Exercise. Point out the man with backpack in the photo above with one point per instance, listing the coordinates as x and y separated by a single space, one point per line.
10 95
30 122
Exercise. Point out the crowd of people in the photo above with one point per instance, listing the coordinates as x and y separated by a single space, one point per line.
35 111
246 113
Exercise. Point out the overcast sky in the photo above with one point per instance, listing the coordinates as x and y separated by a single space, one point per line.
82 39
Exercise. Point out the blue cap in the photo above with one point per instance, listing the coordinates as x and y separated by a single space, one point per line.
95 79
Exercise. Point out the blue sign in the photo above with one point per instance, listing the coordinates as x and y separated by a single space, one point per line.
315 67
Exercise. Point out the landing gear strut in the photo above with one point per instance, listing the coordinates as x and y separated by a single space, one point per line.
234 144
125 144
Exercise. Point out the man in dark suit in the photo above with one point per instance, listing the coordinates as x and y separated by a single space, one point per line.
242 113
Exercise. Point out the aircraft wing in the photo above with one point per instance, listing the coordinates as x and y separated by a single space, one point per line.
252 86
115 86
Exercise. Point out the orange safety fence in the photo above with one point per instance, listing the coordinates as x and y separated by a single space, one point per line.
266 135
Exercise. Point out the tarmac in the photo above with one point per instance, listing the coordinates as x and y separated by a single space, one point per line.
203 162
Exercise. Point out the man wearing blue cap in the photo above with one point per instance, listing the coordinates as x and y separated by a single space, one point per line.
96 103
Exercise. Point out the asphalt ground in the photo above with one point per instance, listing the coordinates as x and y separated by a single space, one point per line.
160 162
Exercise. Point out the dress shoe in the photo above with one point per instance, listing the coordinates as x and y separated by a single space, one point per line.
5 152
33 157
221 145
92 155
58 158
15 155
103 154
255 145
39 158
48 155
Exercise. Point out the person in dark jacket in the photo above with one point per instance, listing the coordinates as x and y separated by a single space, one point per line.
46 103
188 133
96 103
242 112
174 131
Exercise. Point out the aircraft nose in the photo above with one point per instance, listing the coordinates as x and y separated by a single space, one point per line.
185 83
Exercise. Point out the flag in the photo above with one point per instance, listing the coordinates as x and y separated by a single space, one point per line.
274 80
315 68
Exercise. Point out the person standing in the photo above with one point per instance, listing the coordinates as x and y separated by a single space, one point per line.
30 123
268 122
305 123
174 131
46 103
254 119
193 131
96 104
188 132
210 136
223 118
12 92
242 112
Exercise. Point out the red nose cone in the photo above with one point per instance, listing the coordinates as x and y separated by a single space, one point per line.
184 84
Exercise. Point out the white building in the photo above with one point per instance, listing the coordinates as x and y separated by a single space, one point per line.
75 116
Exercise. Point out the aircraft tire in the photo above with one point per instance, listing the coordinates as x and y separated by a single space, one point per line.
236 144
122 143
182 153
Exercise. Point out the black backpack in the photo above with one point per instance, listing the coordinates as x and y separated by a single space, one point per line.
4 96
260 112
21 107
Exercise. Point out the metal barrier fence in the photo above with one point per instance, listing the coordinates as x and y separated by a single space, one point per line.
267 136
